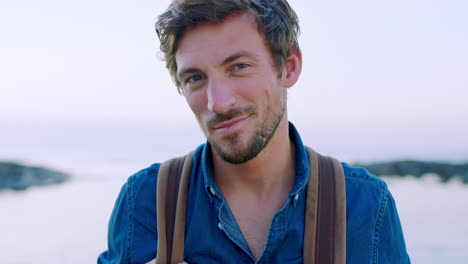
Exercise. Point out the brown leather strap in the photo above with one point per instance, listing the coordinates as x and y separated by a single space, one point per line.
325 217
310 218
340 213
175 171
171 203
179 227
325 246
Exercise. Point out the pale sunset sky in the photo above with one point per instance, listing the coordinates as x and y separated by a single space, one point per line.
384 74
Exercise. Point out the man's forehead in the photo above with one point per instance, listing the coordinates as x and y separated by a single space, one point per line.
235 32
245 18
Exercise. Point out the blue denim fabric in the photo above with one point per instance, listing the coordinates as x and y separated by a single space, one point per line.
374 233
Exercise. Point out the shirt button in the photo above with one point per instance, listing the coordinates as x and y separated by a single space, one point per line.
212 191
296 197
220 226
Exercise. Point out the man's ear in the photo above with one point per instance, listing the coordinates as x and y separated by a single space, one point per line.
292 68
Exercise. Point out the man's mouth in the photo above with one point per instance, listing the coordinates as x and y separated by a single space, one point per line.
230 124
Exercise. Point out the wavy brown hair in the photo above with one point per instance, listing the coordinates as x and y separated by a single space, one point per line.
277 23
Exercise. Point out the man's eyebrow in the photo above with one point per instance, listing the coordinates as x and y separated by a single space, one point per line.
238 55
231 58
186 71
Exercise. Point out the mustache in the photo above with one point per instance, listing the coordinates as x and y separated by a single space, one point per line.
233 113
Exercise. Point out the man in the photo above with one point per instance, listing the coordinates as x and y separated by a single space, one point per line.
233 61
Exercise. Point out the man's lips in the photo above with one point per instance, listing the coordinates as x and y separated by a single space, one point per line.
229 123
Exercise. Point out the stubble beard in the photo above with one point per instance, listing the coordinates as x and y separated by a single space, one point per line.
231 150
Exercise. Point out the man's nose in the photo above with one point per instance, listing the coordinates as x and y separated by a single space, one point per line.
221 96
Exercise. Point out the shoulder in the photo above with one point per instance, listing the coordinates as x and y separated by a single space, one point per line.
140 189
364 190
143 181
356 175
142 184
373 224
141 195
366 199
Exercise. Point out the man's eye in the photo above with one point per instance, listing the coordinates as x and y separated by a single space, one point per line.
240 66
194 78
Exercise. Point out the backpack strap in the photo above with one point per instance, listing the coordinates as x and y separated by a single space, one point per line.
325 217
171 201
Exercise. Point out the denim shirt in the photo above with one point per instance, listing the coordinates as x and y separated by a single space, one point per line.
212 235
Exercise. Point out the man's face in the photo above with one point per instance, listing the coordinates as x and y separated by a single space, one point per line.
231 84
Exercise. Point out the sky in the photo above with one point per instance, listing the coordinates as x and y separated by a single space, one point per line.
385 74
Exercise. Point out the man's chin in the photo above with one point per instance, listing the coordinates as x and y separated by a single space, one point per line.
235 158
236 153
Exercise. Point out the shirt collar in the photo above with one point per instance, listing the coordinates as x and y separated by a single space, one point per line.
302 166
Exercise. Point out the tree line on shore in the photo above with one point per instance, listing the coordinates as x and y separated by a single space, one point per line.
444 170
16 176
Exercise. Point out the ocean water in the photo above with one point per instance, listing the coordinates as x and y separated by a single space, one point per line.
59 224
433 217
68 223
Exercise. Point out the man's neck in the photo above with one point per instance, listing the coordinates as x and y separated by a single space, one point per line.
271 172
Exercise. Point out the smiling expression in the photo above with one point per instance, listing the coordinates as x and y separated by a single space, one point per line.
231 84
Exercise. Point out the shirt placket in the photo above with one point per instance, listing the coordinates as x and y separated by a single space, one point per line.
276 232
228 224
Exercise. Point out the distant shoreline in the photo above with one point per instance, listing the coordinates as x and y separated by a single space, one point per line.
19 177
444 170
